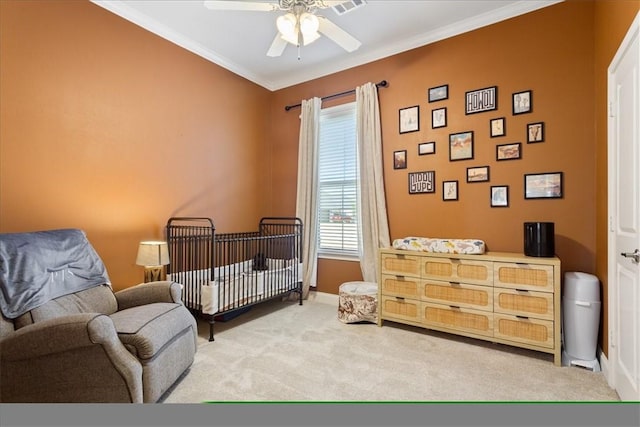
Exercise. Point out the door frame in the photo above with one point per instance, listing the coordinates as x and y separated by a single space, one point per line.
609 368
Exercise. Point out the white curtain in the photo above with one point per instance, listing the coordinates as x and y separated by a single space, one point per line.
306 199
373 205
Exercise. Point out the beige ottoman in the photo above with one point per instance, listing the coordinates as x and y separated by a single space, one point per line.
358 302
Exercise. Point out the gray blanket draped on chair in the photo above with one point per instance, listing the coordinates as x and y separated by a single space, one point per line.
39 266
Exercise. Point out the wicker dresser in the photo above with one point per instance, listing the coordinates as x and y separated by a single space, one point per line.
502 297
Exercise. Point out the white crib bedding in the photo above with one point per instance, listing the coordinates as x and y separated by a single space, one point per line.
235 285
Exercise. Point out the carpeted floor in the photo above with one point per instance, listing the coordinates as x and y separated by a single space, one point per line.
280 351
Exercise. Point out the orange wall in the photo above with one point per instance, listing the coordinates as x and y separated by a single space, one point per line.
109 128
550 52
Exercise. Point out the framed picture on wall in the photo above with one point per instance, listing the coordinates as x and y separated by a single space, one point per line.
410 119
500 196
400 159
543 185
478 174
497 127
461 145
522 102
426 148
508 151
535 132
449 190
422 182
439 118
480 100
438 93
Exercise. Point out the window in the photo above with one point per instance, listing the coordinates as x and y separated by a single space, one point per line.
338 185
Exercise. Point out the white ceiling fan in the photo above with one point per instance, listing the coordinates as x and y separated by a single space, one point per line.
300 25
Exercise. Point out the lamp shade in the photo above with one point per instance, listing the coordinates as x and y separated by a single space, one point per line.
153 253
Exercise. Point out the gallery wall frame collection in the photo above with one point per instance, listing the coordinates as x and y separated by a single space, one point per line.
548 185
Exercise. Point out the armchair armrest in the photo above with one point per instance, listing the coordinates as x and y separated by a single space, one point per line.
48 361
147 293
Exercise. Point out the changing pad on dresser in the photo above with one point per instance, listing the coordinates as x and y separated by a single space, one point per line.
450 246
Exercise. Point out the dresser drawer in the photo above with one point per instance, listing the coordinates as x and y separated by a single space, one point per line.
400 265
523 276
523 303
524 330
458 294
457 270
400 308
457 318
402 286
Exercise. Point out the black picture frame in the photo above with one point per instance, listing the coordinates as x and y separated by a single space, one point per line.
499 195
461 146
522 102
544 185
425 148
481 100
438 93
400 159
497 127
535 132
422 182
478 174
449 190
438 118
409 119
511 151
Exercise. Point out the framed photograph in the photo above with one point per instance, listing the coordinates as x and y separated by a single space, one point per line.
499 196
480 100
508 151
478 174
422 182
522 102
497 127
449 190
438 93
535 132
543 185
400 159
461 145
410 119
439 118
426 148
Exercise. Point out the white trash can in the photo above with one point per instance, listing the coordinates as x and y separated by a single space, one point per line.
580 320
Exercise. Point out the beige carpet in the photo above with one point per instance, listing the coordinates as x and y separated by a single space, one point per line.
280 351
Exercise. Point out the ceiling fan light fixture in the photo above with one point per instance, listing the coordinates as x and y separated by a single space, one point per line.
309 24
310 38
287 25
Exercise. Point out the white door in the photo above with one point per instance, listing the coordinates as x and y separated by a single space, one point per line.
624 216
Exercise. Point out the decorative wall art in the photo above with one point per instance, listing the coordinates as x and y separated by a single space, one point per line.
422 182
522 102
461 145
480 100
508 151
497 127
438 93
400 159
543 185
426 148
500 196
535 132
478 174
439 118
410 119
449 190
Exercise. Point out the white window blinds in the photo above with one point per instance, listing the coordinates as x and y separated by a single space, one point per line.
338 232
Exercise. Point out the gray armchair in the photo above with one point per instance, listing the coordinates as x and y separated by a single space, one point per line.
65 336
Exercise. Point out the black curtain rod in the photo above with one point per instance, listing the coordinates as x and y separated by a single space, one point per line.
335 95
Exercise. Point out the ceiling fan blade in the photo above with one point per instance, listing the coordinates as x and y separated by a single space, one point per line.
240 5
338 35
277 46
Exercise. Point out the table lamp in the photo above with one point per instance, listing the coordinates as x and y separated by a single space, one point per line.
153 255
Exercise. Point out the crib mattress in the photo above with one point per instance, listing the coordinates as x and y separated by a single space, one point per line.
450 246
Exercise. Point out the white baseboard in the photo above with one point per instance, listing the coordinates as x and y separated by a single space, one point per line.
604 366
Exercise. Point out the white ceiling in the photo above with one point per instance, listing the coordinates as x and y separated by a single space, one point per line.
239 40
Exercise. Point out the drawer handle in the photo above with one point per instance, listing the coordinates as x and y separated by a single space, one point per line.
523 317
454 307
454 283
400 299
522 290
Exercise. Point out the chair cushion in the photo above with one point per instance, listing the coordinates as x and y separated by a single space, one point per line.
145 330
